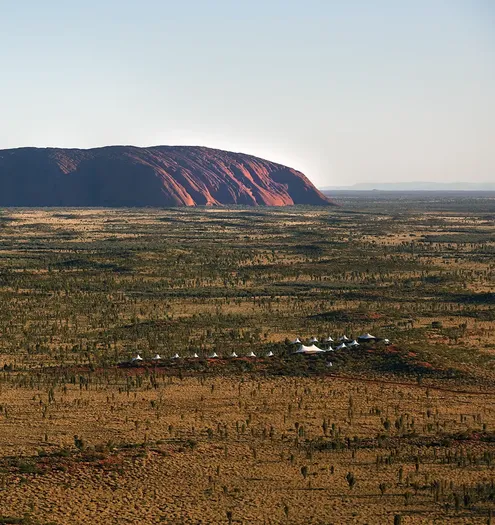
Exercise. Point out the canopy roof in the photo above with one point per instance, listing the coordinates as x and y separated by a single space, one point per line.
313 340
233 354
176 356
138 358
157 357
344 338
313 349
251 354
328 340
213 356
353 343
270 354
195 356
341 346
366 337
296 341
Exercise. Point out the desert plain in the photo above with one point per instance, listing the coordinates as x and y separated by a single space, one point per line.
400 433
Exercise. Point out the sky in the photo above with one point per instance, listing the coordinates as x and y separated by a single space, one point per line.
346 91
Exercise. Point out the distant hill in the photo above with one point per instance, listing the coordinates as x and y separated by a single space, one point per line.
157 176
415 186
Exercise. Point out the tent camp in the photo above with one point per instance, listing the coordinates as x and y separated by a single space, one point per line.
330 349
353 343
309 350
342 346
344 339
366 338
328 340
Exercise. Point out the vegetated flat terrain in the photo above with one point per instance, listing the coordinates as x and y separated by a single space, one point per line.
404 432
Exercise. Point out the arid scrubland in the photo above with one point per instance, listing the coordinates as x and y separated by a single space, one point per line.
389 434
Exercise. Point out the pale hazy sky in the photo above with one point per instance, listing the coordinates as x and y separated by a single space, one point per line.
346 91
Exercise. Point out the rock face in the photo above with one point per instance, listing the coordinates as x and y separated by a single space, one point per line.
157 176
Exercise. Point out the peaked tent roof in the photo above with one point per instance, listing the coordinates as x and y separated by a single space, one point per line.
213 356
341 346
366 337
251 354
157 357
313 349
296 341
270 354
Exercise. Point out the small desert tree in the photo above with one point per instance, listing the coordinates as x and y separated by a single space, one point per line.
351 480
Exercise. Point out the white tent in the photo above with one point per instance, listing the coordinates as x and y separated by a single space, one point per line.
157 357
233 354
354 343
366 337
251 354
328 340
195 356
270 354
329 364
296 341
341 346
313 340
330 349
313 349
136 359
386 341
213 356
344 339
175 356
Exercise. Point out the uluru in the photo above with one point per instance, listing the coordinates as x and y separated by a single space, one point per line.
161 176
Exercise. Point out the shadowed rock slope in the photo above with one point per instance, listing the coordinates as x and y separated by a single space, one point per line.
157 176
